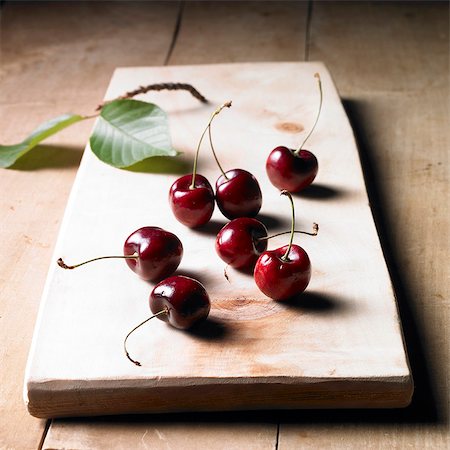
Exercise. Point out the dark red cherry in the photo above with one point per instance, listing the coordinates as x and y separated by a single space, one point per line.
282 273
184 299
239 242
151 252
238 194
181 301
294 170
291 171
282 278
191 197
192 206
159 253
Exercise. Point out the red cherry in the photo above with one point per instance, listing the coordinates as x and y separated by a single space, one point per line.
282 273
159 253
151 252
291 171
239 242
184 299
237 191
282 278
238 194
192 206
191 197
294 170
181 301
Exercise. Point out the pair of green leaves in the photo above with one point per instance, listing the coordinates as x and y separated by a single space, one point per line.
127 131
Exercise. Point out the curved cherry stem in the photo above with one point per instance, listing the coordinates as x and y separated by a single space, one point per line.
214 153
316 75
314 232
62 264
214 114
137 363
288 194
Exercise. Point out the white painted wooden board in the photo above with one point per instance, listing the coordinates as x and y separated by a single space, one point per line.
339 346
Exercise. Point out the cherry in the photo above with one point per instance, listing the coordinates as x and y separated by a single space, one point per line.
237 191
282 273
239 242
159 252
192 207
290 169
281 278
184 298
238 194
151 252
181 301
191 197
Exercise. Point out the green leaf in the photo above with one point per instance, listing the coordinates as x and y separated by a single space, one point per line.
129 131
9 154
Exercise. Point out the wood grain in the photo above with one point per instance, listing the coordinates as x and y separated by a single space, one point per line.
339 345
216 32
55 58
397 99
271 19
233 432
423 299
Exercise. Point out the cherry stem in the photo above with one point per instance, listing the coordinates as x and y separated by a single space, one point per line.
194 169
316 75
314 232
214 153
163 311
288 194
62 264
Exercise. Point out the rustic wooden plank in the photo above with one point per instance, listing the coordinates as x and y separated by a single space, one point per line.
340 346
187 433
389 46
55 57
343 437
398 102
234 43
71 48
217 32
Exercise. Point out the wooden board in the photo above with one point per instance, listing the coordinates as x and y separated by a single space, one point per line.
340 346
44 72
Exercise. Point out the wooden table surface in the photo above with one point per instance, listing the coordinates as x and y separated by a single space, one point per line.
390 64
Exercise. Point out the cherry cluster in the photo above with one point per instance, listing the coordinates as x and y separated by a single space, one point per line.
154 254
192 198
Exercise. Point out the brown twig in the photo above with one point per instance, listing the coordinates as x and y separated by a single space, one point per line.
160 87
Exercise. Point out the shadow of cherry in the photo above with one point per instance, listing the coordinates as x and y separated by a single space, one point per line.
316 302
196 275
246 270
211 228
317 191
209 329
272 221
